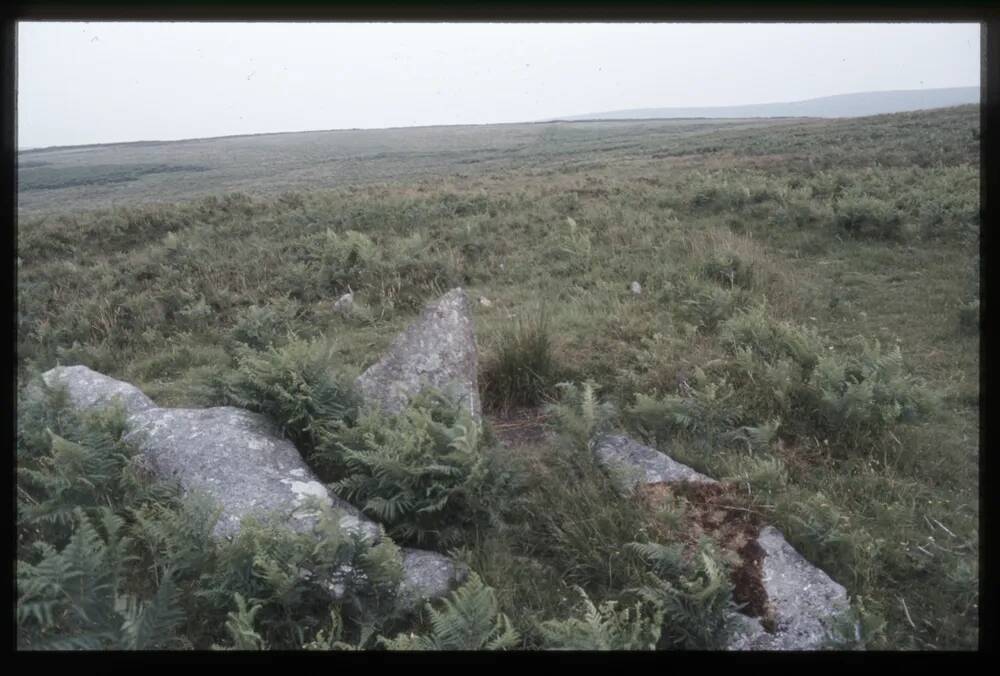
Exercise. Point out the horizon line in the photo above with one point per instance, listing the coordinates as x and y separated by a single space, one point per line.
565 118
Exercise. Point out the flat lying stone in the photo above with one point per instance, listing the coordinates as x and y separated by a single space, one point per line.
238 458
804 601
643 465
438 350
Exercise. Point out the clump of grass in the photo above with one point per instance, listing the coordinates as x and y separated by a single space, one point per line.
524 369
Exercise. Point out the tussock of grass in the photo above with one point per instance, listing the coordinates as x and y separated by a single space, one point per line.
523 370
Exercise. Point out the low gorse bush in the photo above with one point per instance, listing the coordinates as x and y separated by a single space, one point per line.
730 270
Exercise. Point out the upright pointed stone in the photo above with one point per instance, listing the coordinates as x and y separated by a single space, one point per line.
438 350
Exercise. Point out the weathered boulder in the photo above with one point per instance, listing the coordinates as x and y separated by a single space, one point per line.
89 389
427 575
344 304
438 350
238 458
640 464
804 601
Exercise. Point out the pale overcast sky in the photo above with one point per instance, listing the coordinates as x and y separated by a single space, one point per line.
105 82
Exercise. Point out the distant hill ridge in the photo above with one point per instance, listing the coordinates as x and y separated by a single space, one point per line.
841 105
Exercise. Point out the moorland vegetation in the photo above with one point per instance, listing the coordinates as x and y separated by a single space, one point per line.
807 330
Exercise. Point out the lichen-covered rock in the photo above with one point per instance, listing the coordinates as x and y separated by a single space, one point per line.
747 633
344 304
804 601
427 575
640 464
438 350
237 458
90 390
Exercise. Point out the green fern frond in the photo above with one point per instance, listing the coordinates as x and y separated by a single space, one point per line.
149 625
240 627
604 628
664 560
469 619
415 471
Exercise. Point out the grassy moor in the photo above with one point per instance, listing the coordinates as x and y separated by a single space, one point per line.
789 306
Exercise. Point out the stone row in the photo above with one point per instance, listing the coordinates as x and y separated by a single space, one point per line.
440 350
238 458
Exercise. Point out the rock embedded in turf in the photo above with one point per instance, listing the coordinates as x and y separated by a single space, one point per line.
641 464
344 304
238 459
427 575
804 601
438 350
